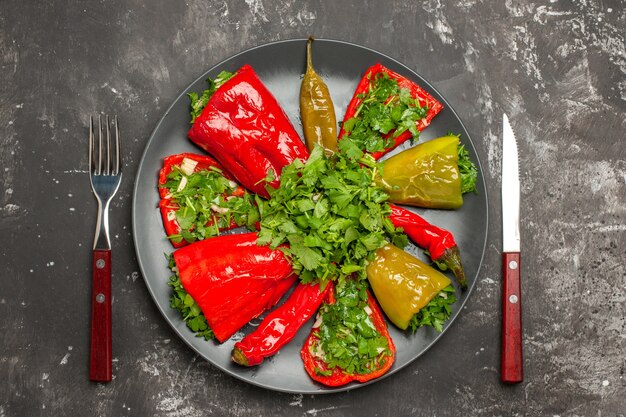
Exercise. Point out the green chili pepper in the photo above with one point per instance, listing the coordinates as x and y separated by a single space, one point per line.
316 109
426 175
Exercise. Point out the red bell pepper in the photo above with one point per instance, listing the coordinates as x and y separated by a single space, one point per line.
315 366
169 206
439 242
247 131
281 325
434 106
233 280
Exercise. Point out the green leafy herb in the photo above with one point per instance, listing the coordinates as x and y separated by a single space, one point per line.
385 108
204 204
467 170
199 102
435 313
330 213
347 336
185 304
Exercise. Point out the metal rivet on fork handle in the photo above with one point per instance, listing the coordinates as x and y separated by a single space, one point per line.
100 263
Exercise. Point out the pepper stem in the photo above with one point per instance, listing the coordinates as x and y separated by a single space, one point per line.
309 55
452 259
239 357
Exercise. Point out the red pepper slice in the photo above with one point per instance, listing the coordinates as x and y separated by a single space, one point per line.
439 242
247 131
434 106
338 376
168 207
281 325
233 280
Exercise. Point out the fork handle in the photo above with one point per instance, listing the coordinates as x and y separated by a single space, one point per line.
100 351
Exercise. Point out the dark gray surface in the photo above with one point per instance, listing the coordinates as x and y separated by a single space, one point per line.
557 68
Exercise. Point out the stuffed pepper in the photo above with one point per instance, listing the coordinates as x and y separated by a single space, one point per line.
433 174
232 279
245 129
199 199
405 287
386 110
349 341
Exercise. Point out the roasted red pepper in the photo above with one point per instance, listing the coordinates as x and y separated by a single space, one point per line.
281 325
247 131
417 92
438 242
319 370
233 280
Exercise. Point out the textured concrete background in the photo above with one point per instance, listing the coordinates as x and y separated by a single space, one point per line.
556 67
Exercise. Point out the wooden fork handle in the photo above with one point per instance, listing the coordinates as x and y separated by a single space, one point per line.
100 368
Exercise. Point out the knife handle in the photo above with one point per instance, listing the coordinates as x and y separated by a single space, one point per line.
512 362
100 350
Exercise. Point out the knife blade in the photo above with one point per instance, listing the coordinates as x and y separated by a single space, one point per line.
512 361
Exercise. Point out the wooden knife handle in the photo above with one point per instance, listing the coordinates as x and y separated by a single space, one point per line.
512 362
100 368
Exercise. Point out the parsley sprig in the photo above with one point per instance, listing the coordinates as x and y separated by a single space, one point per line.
384 108
436 312
199 102
183 302
330 214
467 170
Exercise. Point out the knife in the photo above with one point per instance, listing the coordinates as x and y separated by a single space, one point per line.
512 362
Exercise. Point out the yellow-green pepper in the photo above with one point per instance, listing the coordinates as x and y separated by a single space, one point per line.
403 284
426 175
317 111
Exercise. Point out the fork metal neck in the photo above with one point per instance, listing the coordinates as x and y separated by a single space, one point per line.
101 240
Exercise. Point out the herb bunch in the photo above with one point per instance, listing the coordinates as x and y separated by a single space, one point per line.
330 214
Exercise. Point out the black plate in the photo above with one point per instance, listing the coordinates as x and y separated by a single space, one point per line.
280 66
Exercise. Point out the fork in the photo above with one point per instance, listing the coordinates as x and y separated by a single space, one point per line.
105 175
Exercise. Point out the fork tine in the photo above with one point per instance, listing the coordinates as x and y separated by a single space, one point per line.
91 163
108 163
99 170
117 147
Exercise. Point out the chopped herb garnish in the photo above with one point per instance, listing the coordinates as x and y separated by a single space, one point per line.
204 204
